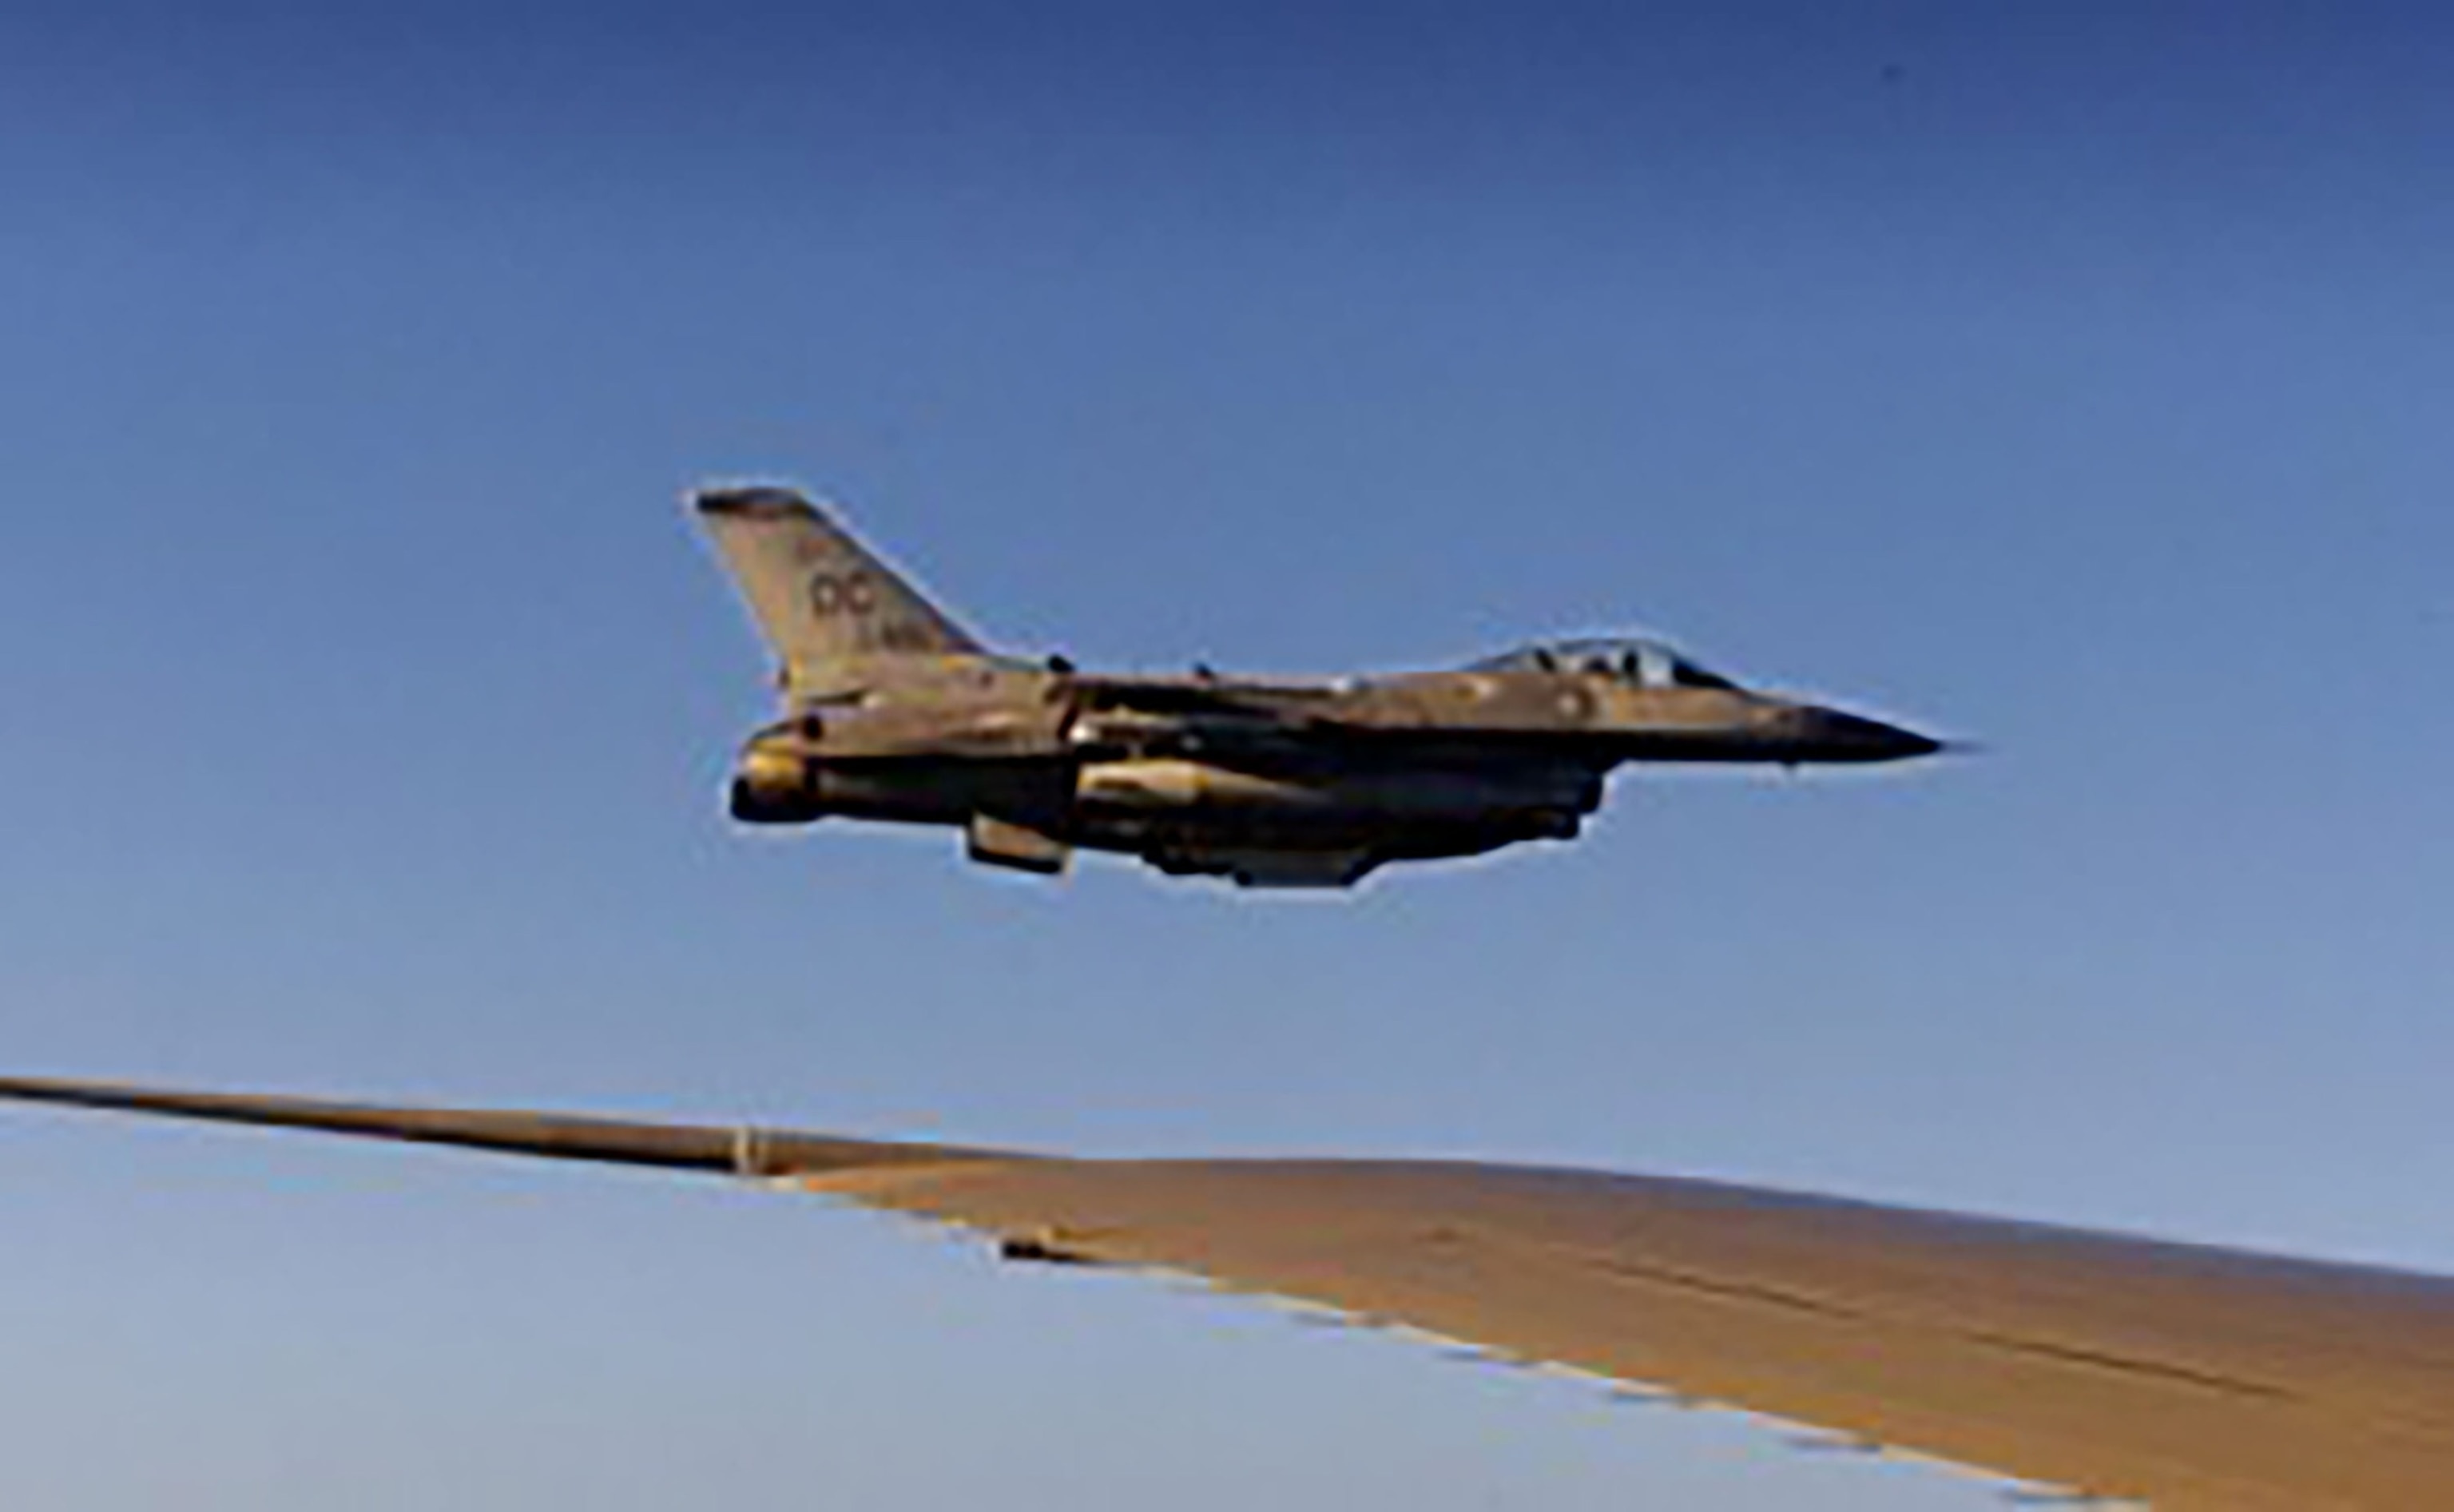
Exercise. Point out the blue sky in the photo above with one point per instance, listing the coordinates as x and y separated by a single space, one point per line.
2073 377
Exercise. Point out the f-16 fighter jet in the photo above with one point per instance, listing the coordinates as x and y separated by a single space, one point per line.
894 712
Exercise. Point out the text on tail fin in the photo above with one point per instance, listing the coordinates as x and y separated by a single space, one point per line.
816 593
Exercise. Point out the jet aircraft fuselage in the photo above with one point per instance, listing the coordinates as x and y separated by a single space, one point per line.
894 713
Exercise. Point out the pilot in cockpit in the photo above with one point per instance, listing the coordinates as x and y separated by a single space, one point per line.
1637 662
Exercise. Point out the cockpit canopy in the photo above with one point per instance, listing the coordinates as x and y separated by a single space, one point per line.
1634 660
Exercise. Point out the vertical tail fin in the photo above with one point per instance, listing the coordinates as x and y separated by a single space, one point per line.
816 593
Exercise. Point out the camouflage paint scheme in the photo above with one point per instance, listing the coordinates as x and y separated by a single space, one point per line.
893 712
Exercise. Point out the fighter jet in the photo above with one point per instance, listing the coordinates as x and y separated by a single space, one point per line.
893 712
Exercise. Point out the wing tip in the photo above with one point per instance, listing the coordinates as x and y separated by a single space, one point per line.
757 1154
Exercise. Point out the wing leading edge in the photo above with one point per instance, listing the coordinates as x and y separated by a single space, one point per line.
2190 1377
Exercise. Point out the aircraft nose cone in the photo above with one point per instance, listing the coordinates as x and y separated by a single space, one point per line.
1833 736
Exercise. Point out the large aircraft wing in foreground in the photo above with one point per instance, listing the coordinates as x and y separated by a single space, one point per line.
2119 1368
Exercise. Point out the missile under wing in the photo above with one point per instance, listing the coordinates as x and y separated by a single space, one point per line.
2198 1380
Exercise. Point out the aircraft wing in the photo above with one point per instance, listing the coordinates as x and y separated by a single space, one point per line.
2121 1368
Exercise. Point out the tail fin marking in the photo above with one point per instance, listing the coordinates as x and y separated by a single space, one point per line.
817 594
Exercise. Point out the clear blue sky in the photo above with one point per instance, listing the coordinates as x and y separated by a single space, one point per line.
2076 377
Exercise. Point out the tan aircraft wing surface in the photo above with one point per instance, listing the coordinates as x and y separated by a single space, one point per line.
2189 1376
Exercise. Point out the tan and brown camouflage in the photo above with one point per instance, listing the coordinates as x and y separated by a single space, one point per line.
894 712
